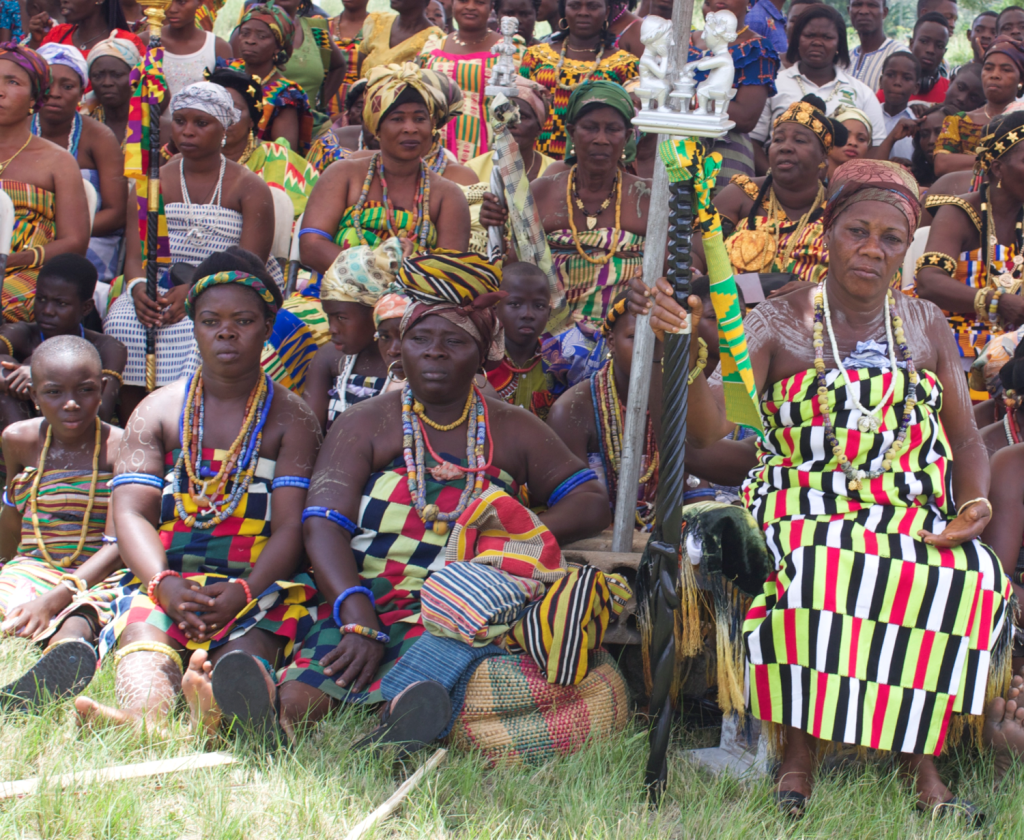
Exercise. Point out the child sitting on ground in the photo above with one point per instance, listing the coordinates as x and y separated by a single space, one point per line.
64 297
61 573
523 377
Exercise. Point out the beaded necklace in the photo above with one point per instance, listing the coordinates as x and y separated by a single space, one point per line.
855 477
414 449
1008 281
586 76
436 160
609 415
592 218
777 217
1010 427
243 455
74 136
421 203
34 500
569 189
508 392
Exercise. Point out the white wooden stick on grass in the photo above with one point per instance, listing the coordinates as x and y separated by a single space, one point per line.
395 800
199 761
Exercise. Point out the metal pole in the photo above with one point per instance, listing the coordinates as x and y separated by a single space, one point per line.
655 245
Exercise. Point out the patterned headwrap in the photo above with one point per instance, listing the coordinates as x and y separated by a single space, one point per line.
602 92
453 97
615 311
210 99
119 48
280 24
1001 135
362 274
1013 50
873 180
387 83
848 112
388 307
224 278
462 289
535 95
67 55
32 63
805 114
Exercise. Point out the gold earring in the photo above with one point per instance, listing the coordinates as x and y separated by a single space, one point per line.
563 24
1000 184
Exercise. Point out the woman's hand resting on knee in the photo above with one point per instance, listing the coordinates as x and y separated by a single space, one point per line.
355 660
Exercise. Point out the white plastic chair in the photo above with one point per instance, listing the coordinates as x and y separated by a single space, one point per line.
292 273
917 246
284 218
92 197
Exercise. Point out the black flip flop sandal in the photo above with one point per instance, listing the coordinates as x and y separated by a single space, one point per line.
63 671
413 719
791 803
248 699
957 809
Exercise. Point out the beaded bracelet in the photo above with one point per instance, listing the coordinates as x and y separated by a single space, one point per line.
702 361
316 231
38 256
993 306
701 493
330 515
570 484
934 259
290 481
150 647
7 343
366 632
155 580
352 590
245 585
113 374
137 478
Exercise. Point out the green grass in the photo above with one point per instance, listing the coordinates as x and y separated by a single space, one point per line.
320 789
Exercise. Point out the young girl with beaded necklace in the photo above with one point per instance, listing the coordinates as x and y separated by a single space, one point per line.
59 583
208 498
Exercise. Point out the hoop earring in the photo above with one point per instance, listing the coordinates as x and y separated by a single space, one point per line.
395 378
563 24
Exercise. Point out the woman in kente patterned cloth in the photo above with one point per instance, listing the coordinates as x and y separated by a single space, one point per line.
377 539
590 416
1002 72
974 260
265 36
580 51
396 37
60 578
870 489
208 507
757 64
39 178
465 56
347 31
773 224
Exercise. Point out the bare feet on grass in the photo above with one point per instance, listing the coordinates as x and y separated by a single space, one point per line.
1004 726
921 770
198 692
89 713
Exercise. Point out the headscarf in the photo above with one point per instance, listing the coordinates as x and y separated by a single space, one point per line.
462 289
388 307
1013 50
119 48
453 98
387 83
32 63
811 118
535 95
210 99
602 92
280 24
864 179
68 56
1001 135
362 274
848 112
224 278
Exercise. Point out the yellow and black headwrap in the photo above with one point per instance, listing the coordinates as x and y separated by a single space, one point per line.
1002 134
223 278
812 118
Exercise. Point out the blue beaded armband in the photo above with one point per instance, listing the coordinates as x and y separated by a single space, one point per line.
137 478
352 590
702 493
290 481
570 484
7 500
317 231
330 515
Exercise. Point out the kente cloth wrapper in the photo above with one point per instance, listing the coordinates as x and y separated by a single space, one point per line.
373 220
288 352
685 161
385 84
601 92
151 90
34 224
362 274
210 99
32 63
508 711
959 135
873 180
560 630
395 552
388 307
527 231
535 390
864 633
1001 135
228 278
805 114
277 20
68 56
281 168
119 48
589 288
227 551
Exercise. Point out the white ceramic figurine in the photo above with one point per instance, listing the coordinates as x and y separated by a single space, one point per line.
656 36
719 32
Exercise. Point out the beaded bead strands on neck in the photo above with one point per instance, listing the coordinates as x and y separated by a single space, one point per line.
74 135
586 76
570 189
242 456
894 323
1009 280
34 500
421 203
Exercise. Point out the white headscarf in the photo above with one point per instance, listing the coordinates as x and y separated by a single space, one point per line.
209 98
67 55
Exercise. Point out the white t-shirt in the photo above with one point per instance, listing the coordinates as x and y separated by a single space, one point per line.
901 148
843 90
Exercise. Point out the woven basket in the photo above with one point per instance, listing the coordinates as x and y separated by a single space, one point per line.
515 716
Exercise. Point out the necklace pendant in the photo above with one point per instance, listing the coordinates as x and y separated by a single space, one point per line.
196 234
867 423
445 471
591 222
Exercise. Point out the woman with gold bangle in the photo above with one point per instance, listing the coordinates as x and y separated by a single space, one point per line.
972 265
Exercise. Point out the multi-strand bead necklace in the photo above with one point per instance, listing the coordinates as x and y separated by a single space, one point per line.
421 204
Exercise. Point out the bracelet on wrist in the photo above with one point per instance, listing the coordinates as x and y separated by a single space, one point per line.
154 582
702 361
965 505
993 307
365 632
352 590
245 586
